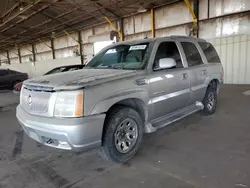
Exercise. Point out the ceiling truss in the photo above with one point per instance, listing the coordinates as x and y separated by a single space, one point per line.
26 21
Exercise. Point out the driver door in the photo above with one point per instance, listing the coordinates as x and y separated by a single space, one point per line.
169 88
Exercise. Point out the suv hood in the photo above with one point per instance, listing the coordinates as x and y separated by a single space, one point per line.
77 79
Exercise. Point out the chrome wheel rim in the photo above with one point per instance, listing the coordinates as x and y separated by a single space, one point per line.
211 101
126 135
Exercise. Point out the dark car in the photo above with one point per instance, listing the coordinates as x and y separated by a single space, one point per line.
9 78
18 86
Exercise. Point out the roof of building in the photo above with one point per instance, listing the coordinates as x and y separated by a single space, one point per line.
26 21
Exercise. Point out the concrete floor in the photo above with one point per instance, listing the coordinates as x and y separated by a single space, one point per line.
8 100
205 152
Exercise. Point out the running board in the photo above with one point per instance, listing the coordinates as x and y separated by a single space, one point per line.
173 117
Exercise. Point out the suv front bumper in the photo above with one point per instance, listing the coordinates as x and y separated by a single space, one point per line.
77 134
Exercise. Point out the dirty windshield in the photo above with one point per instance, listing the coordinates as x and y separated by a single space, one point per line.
121 57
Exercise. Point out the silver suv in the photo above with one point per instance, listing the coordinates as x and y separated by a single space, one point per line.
128 89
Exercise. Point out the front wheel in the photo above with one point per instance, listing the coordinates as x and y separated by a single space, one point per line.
123 134
210 100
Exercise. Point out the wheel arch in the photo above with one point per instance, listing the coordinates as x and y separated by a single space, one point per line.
135 98
136 104
215 82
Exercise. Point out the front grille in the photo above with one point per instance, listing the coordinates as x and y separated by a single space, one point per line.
35 102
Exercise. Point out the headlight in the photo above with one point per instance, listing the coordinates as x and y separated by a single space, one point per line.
69 104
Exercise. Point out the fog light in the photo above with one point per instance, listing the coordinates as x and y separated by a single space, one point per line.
64 145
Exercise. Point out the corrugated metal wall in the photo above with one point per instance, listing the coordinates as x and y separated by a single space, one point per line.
43 66
234 52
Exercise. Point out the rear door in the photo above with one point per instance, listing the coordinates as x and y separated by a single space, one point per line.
197 70
214 68
169 88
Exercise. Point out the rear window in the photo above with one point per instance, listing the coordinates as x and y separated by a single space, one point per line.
210 52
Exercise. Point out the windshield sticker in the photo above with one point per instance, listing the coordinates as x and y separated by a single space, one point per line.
138 47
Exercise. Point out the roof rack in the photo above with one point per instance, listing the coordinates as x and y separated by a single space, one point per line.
186 37
181 36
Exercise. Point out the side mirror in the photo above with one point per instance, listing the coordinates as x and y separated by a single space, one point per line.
167 63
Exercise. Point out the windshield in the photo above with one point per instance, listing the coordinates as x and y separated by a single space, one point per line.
121 57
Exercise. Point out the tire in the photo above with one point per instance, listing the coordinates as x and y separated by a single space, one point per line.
210 100
123 133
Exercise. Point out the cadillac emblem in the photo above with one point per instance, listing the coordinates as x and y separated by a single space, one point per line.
30 100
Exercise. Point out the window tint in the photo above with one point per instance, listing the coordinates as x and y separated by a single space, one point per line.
3 72
210 52
192 54
167 50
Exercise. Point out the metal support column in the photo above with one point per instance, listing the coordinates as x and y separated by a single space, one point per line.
78 43
117 30
153 22
8 56
196 12
208 9
33 52
80 46
121 28
19 55
194 15
53 48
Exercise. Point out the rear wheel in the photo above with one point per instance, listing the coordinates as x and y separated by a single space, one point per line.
210 100
122 134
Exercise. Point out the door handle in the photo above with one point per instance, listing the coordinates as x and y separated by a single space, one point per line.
184 76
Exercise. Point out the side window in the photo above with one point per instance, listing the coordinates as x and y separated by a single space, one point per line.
210 52
192 54
168 50
3 72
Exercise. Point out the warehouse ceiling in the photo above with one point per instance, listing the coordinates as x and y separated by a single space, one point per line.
26 21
